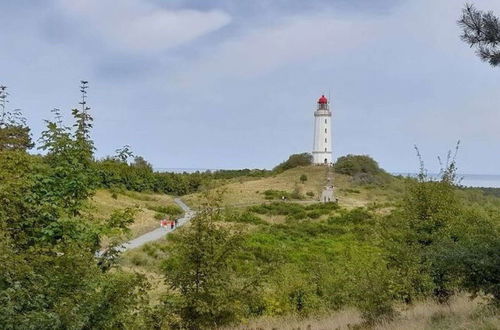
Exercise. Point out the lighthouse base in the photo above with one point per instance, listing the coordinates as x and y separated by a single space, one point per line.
322 158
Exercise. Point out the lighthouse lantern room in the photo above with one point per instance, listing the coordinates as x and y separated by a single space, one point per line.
322 147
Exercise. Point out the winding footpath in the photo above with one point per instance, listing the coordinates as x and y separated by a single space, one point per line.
159 232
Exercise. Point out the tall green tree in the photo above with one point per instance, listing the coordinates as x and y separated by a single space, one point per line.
204 268
51 276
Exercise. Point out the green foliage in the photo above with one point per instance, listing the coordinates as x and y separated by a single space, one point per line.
113 173
271 194
172 210
295 160
202 269
481 30
295 211
357 165
51 276
244 217
14 132
303 178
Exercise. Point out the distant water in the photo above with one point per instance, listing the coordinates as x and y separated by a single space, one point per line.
471 180
480 180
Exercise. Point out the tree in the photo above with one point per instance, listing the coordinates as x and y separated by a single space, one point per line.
141 163
203 267
14 132
50 275
70 157
481 30
123 154
303 178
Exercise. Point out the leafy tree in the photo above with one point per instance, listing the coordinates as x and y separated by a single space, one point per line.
14 132
295 160
140 162
50 275
70 157
303 178
482 31
203 266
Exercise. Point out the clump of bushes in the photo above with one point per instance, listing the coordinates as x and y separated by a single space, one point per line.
172 210
245 217
295 160
362 168
271 194
356 164
164 211
294 211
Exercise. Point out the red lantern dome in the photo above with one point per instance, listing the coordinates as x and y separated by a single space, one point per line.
323 100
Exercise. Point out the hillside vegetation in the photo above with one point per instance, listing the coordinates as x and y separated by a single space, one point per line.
150 208
304 260
349 191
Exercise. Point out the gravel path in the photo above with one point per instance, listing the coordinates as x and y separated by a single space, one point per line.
159 232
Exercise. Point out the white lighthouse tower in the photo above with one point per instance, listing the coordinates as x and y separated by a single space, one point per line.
322 147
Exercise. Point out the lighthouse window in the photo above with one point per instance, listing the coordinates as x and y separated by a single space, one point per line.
325 149
325 130
325 139
325 121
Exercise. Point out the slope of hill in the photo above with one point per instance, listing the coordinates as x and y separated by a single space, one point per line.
250 191
150 207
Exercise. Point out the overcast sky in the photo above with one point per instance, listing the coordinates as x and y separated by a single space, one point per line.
233 84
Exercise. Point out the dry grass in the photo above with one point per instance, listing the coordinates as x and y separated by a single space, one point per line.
461 313
103 204
250 192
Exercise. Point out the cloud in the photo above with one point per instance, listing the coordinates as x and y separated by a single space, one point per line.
297 39
138 26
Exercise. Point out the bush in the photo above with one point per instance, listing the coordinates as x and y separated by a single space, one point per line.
279 194
304 159
172 210
246 217
310 194
303 178
357 164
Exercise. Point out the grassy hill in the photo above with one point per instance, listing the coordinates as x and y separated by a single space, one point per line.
247 191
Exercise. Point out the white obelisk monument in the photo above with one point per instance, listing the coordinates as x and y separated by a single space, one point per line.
322 147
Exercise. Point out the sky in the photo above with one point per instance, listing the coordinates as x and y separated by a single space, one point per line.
234 84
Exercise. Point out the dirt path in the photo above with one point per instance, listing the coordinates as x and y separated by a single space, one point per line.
159 232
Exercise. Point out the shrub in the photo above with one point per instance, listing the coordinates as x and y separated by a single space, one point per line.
172 210
357 164
293 161
245 217
159 215
310 194
303 178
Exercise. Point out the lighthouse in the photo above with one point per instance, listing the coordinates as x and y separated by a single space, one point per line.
322 146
